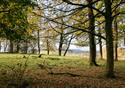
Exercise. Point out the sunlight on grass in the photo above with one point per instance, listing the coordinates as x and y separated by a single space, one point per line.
52 60
73 61
62 67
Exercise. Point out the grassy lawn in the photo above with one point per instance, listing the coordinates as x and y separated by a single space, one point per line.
33 60
56 72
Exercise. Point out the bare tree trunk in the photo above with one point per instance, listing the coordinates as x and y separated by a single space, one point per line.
115 39
92 43
100 44
5 46
17 48
48 47
26 47
0 46
11 46
60 44
124 37
38 43
68 46
109 39
33 50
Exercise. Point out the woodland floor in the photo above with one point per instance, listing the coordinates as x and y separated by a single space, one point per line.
56 72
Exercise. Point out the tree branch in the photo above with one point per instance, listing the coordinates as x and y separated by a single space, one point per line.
70 26
4 11
84 6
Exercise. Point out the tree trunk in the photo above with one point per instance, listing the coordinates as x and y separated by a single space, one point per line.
115 39
17 48
109 39
38 43
48 47
124 37
100 44
68 46
60 44
0 46
11 46
92 43
5 45
26 47
33 50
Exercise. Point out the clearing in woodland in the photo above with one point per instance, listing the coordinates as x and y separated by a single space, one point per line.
30 71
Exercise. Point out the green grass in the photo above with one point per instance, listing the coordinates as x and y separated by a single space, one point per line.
90 77
53 60
33 60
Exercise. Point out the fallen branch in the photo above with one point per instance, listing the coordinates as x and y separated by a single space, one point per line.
67 73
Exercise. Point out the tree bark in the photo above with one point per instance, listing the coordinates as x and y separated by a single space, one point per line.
5 45
115 39
26 47
0 46
124 36
17 48
60 44
11 46
38 41
48 47
68 45
47 43
92 43
109 39
100 44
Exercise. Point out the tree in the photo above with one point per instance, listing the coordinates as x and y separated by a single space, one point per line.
48 39
109 39
92 43
115 39
106 10
69 43
100 43
109 35
38 43
14 21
